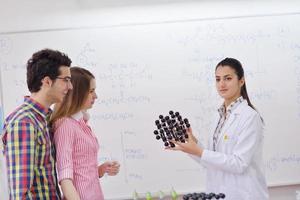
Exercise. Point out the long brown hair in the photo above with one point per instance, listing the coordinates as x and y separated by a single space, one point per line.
75 98
237 67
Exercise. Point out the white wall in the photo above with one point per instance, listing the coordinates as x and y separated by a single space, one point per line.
44 15
34 15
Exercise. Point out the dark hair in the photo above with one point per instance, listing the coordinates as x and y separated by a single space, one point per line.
44 63
238 68
74 100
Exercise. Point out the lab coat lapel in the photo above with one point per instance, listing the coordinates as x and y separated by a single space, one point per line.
231 119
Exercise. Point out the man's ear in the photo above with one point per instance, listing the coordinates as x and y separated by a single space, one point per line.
47 81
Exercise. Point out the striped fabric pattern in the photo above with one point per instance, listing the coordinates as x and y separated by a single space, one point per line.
29 153
77 151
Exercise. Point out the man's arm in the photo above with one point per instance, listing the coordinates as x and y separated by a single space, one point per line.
19 153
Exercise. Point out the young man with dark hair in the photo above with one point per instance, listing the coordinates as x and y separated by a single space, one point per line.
27 141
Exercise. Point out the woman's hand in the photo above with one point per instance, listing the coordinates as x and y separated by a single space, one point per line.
190 146
112 168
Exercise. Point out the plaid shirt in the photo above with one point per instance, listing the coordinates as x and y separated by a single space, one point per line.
30 154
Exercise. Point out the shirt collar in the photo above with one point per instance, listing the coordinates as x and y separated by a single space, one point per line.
77 116
81 115
231 107
42 110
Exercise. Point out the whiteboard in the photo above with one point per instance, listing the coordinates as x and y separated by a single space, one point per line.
3 178
148 69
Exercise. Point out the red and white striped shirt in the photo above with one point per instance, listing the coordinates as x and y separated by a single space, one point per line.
76 151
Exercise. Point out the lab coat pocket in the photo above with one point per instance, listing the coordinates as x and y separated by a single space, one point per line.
229 141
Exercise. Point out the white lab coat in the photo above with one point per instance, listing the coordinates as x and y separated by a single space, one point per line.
236 167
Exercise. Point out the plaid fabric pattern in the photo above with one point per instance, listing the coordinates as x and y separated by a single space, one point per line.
224 115
29 153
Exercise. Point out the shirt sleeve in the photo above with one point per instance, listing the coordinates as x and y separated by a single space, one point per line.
64 139
243 152
19 154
